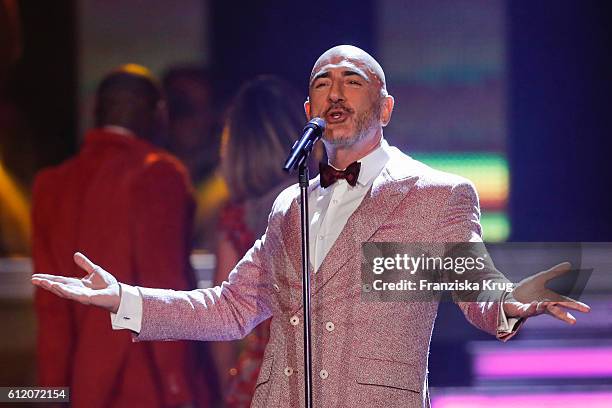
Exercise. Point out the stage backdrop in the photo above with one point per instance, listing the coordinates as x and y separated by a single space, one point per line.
445 64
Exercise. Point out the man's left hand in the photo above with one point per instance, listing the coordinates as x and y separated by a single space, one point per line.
531 297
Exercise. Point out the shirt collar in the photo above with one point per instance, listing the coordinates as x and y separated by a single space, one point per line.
119 130
373 163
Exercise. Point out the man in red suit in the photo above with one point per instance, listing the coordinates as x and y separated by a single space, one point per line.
129 205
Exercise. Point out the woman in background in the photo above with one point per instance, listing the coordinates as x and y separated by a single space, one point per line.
263 121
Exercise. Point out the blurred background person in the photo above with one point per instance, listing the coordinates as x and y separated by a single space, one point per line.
16 158
194 137
262 124
131 205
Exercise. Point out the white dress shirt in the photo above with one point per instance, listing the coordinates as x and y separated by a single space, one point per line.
329 210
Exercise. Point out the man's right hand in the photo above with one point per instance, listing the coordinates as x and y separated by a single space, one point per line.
98 287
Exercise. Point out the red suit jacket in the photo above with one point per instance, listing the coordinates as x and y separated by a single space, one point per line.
129 206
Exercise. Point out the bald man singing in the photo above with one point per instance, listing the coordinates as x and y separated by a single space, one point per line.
371 354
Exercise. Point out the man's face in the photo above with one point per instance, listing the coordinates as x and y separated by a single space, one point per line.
347 95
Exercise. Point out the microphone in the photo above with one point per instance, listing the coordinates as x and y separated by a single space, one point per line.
303 146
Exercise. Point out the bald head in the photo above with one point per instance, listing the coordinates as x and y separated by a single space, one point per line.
348 90
358 58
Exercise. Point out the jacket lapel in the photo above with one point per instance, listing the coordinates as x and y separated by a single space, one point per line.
291 230
383 197
386 193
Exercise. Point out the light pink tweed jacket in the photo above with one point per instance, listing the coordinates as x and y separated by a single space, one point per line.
374 353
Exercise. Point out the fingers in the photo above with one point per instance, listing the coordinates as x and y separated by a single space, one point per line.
555 271
84 263
556 311
44 283
61 289
49 284
53 278
567 302
553 308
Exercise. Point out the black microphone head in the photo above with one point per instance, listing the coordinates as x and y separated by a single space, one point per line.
302 147
317 124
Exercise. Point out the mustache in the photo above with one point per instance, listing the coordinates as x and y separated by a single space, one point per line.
336 106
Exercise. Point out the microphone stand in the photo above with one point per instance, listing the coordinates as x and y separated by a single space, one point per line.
306 294
299 158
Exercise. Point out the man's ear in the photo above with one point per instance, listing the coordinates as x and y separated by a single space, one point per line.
307 108
386 110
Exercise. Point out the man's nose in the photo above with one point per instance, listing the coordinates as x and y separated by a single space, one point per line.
336 93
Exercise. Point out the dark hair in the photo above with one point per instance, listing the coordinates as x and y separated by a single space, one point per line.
178 105
128 97
262 123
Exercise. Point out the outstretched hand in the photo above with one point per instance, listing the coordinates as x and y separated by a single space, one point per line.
531 297
98 287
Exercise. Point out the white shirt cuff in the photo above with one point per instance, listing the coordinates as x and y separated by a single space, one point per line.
129 315
505 324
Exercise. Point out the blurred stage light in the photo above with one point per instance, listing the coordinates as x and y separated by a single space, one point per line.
489 173
539 362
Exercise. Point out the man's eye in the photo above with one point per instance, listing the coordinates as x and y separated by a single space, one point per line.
320 85
354 82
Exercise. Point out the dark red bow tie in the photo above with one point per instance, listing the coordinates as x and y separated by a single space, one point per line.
329 175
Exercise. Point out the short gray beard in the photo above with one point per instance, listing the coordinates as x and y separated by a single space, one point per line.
365 123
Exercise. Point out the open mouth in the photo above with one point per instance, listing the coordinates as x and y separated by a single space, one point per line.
336 116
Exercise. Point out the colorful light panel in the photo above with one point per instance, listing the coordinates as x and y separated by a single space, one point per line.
489 173
551 362
544 400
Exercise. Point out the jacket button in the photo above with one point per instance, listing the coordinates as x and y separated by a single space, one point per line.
294 320
288 371
330 326
276 287
323 374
